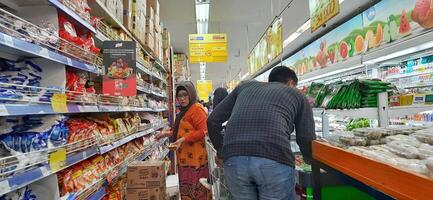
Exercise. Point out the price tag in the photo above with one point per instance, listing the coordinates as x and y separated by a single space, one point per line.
57 159
58 103
3 110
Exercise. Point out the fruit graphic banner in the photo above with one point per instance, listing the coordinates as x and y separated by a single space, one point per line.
207 48
120 66
268 48
321 11
384 23
336 46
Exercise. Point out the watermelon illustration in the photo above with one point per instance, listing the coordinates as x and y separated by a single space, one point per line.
344 50
423 13
379 35
386 34
404 25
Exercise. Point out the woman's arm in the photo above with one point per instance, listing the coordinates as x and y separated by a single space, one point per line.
198 121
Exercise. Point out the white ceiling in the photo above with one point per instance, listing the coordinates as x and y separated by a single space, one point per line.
244 21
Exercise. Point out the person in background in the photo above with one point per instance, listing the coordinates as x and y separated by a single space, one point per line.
218 96
258 161
204 106
189 135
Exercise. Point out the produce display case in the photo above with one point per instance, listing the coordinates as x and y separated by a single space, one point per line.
378 179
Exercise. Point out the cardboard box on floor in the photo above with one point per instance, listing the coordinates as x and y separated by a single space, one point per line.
146 175
145 194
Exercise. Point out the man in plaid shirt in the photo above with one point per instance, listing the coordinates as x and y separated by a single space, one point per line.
258 161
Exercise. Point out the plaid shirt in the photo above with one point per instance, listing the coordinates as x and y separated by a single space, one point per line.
261 117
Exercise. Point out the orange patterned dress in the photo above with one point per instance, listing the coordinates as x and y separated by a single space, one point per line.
192 156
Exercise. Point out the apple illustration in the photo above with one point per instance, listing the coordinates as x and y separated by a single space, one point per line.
344 50
331 54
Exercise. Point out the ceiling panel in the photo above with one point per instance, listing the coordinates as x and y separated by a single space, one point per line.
244 21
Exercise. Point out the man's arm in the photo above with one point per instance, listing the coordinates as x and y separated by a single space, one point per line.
305 131
220 115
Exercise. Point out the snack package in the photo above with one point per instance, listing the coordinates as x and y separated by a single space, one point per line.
404 138
425 135
403 149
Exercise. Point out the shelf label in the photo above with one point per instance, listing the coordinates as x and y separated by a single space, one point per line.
3 110
58 103
57 159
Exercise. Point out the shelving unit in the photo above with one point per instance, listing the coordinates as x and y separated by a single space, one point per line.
37 101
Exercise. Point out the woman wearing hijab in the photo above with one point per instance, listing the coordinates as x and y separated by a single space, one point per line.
189 133
218 96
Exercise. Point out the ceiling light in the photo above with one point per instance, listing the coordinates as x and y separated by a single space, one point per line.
202 12
397 54
330 74
297 33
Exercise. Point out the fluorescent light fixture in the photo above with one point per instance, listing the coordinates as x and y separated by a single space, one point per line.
202 12
397 54
297 33
330 74
202 27
245 76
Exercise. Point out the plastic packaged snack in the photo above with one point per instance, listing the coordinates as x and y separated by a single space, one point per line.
403 149
370 133
404 138
425 135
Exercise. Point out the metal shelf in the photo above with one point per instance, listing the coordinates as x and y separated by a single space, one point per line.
22 48
371 113
42 109
20 180
73 15
401 111
99 9
143 69
109 147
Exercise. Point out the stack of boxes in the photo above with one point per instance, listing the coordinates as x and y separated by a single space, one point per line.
115 7
150 30
180 63
166 48
146 181
141 17
138 19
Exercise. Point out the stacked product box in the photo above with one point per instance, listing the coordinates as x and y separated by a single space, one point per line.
115 7
181 65
139 11
150 30
127 14
166 48
146 180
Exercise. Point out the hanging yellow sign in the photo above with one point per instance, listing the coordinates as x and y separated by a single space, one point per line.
204 89
207 48
321 11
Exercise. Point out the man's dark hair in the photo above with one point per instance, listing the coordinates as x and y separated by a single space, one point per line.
283 74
